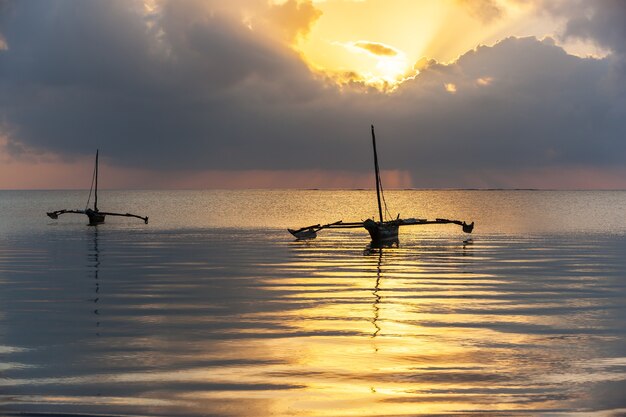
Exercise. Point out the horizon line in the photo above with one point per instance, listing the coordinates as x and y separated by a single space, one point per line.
323 189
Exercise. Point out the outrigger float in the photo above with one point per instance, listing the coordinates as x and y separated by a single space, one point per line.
381 231
95 216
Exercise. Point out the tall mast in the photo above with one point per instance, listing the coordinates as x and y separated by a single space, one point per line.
95 203
380 208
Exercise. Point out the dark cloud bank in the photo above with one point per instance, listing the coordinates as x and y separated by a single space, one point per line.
184 89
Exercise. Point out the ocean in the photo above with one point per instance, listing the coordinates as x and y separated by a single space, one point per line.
213 309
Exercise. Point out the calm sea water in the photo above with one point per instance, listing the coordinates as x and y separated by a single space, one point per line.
213 309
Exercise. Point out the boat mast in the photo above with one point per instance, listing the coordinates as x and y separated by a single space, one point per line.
380 208
95 203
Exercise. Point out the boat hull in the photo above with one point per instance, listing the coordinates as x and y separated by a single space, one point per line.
381 232
95 218
303 234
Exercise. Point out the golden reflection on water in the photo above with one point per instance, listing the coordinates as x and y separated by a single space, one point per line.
239 322
348 369
413 330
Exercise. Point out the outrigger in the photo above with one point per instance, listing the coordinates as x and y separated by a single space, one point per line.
95 216
380 231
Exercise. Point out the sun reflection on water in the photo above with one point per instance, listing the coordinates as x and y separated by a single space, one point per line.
241 322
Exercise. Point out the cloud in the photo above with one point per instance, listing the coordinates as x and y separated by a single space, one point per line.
541 108
196 81
376 48
198 90
602 21
598 21
295 17
450 88
485 10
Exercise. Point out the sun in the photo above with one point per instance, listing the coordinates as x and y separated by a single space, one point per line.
374 63
378 42
391 70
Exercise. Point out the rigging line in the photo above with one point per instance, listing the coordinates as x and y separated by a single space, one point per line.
380 184
93 179
385 202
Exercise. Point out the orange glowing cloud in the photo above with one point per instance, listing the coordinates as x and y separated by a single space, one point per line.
485 10
450 88
293 19
484 81
377 48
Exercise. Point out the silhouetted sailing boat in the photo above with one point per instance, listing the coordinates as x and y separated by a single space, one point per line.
380 231
95 216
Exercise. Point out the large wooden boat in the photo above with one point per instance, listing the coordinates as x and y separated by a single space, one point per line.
381 231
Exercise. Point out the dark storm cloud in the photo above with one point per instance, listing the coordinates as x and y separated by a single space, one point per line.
522 103
601 21
191 89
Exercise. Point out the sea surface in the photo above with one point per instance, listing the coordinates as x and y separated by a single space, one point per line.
213 309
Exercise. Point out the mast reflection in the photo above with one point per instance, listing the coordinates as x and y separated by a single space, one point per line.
377 297
94 260
377 248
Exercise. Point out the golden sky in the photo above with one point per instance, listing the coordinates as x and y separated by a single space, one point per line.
382 40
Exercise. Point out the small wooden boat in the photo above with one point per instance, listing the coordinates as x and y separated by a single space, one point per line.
380 231
95 216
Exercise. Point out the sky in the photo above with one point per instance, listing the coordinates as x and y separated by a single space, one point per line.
267 94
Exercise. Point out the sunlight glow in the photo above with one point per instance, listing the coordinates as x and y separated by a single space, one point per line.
385 64
362 49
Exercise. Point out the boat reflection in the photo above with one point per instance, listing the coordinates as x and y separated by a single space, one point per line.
94 258
377 297
377 248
